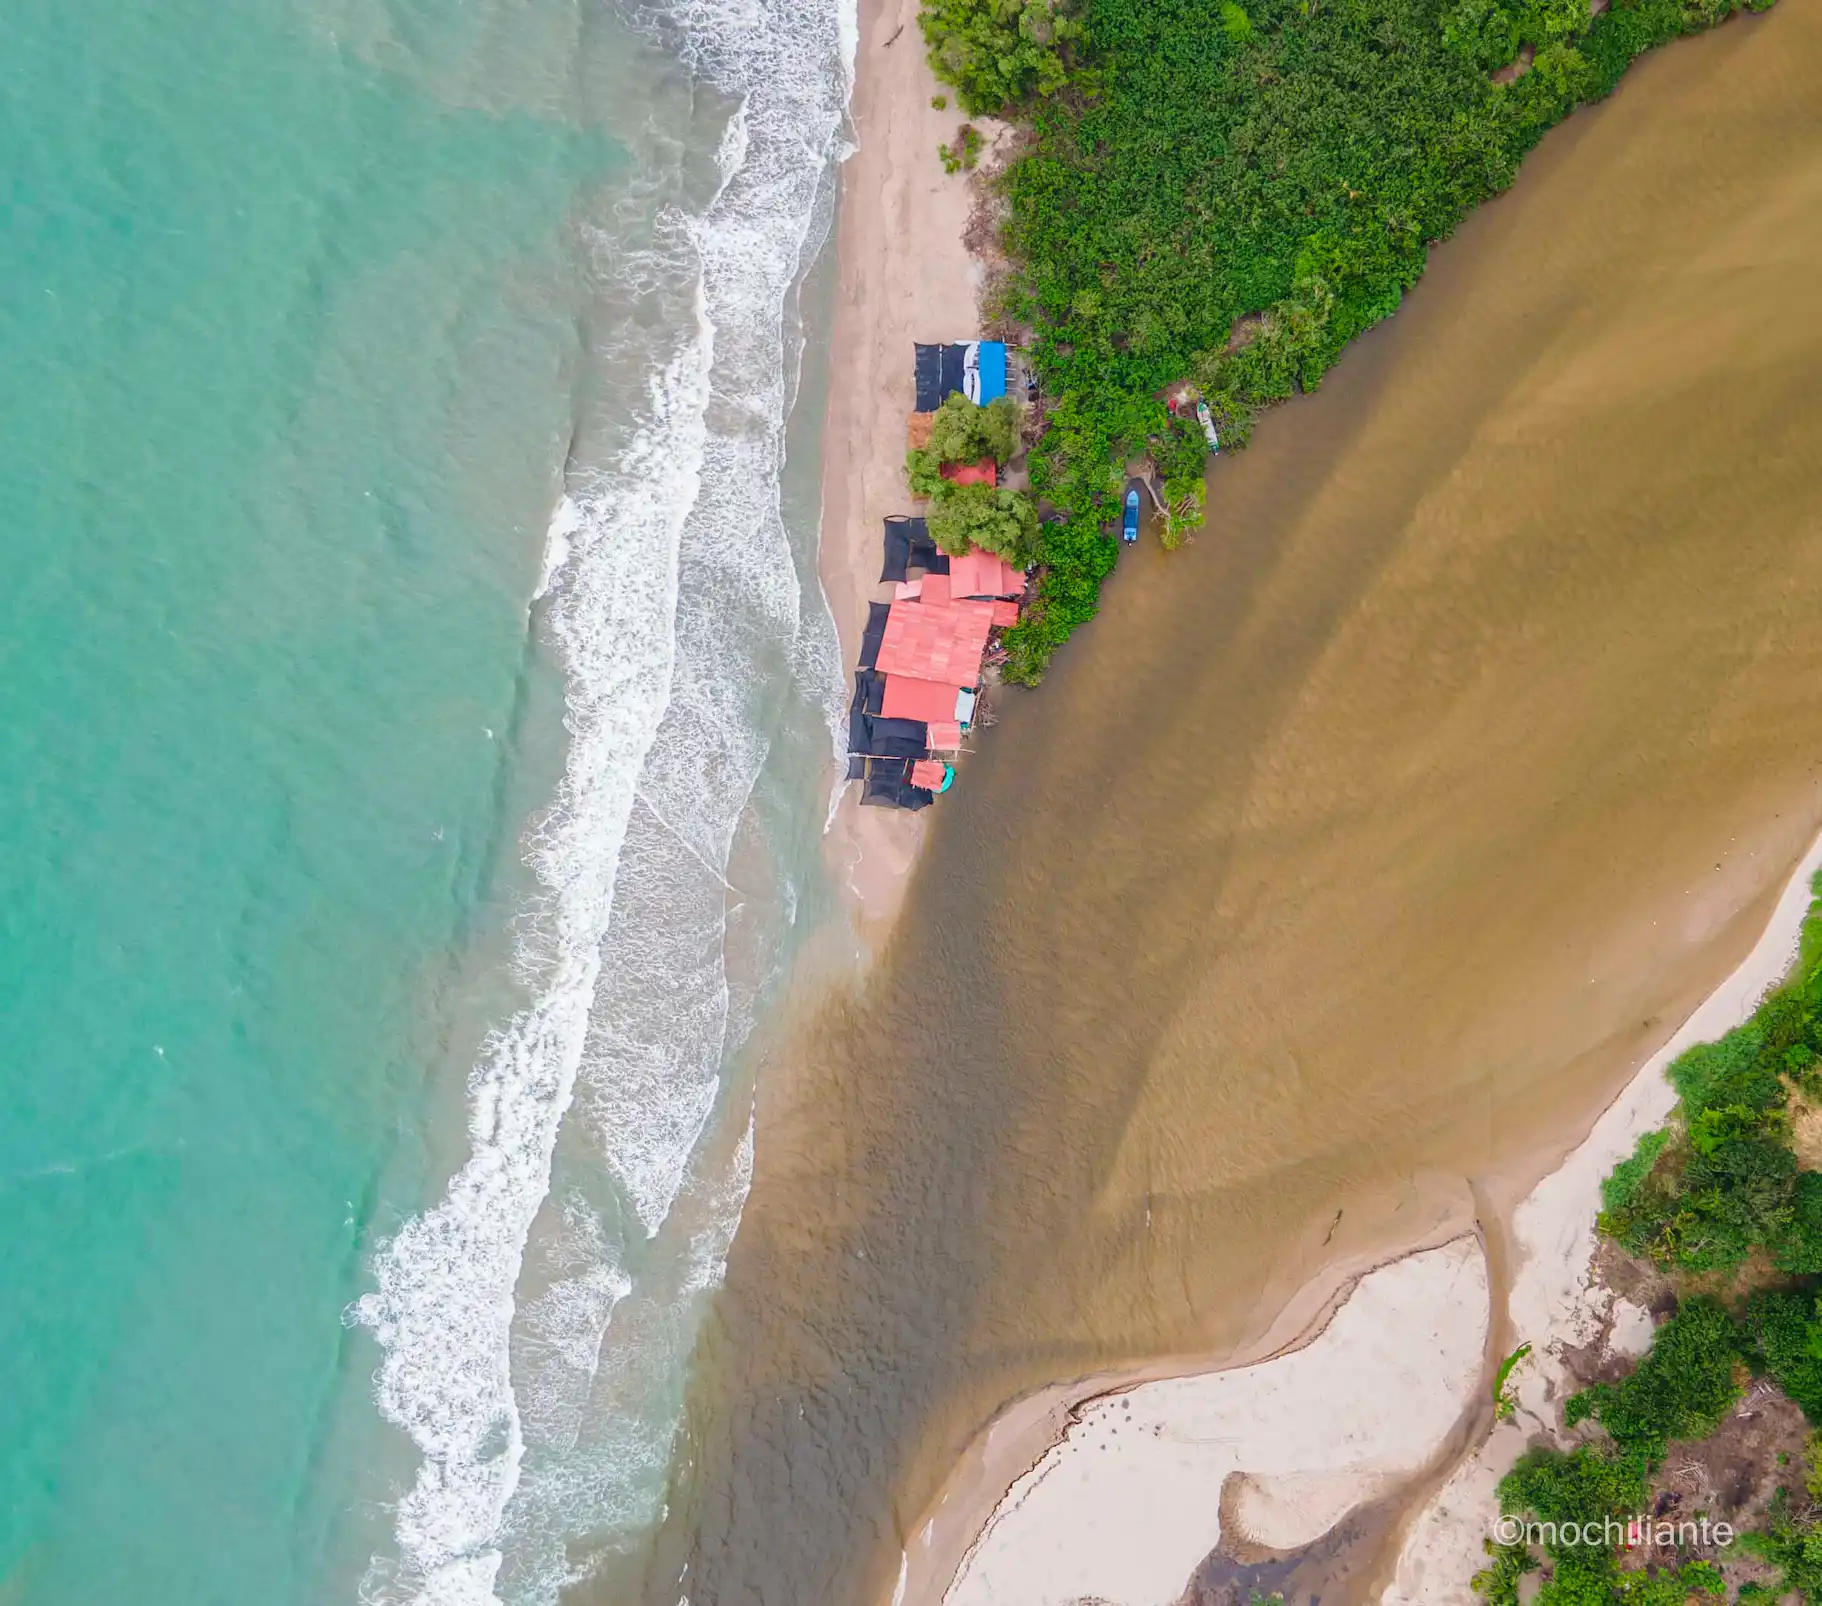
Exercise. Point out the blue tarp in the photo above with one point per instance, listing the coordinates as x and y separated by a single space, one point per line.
993 370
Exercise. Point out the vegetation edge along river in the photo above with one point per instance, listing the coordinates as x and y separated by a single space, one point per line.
1230 194
1716 1222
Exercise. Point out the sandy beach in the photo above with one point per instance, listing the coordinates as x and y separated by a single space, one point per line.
904 275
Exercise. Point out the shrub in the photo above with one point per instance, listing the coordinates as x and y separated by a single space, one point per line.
1681 1389
1791 1545
1624 1180
1784 1339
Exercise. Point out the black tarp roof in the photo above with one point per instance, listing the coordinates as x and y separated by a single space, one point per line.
889 786
939 372
875 632
908 547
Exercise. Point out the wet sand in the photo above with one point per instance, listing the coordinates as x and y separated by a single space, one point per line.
1344 868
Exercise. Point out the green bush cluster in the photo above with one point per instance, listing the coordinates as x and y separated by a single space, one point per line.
1698 1196
1722 1179
997 520
1582 1486
1682 1389
999 53
1195 163
1794 1547
990 517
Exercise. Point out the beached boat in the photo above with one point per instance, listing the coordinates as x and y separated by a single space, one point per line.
1206 420
1129 525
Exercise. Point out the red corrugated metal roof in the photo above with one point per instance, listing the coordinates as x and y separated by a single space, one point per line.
982 574
1005 613
906 698
944 734
936 642
935 588
929 773
985 472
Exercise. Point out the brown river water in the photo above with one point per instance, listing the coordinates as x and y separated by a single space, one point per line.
1344 867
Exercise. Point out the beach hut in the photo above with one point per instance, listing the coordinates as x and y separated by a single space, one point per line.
908 547
984 574
929 701
977 368
874 633
935 642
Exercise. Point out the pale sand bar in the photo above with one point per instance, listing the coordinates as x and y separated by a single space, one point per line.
1129 1503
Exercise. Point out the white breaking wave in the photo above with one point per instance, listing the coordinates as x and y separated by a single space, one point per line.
675 603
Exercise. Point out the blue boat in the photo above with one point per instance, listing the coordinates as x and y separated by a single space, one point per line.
1129 526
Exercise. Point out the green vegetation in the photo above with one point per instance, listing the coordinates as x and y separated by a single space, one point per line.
1000 53
964 153
1794 1546
991 517
1700 1198
1503 1403
1722 1180
1784 1336
961 432
1681 1389
987 516
1231 193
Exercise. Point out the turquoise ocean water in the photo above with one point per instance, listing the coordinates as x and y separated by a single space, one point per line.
336 1125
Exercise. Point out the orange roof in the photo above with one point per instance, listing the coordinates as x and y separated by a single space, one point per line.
944 734
936 641
906 698
929 773
1005 613
983 574
985 472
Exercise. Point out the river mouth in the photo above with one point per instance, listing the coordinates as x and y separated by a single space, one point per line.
1345 865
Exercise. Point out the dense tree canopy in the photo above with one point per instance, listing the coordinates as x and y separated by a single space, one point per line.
1233 192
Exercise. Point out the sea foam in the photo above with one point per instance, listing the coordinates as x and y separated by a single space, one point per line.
679 615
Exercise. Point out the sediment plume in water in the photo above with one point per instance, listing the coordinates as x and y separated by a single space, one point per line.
1344 867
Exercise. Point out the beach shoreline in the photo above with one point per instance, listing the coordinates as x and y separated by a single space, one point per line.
903 274
1535 1226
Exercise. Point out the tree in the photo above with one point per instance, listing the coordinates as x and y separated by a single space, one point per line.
990 517
961 432
999 53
